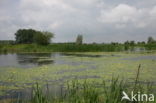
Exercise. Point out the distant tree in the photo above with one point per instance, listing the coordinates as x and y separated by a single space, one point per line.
94 43
138 42
43 38
132 43
24 35
114 43
7 42
141 43
127 43
151 40
79 39
33 36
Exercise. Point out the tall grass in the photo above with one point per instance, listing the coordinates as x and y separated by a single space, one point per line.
86 92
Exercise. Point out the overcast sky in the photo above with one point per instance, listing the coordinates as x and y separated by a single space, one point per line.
98 20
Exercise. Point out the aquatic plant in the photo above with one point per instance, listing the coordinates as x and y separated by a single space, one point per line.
76 92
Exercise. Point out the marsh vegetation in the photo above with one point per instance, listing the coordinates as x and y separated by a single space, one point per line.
84 73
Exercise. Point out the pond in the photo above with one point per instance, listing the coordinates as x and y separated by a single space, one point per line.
29 60
19 71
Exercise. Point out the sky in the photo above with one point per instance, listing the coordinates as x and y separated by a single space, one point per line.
97 20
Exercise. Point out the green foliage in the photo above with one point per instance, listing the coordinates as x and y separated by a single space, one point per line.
4 42
79 39
42 38
141 43
25 36
151 40
130 43
38 96
150 46
64 47
86 92
72 47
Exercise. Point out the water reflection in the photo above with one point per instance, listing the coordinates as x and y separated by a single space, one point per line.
27 60
35 59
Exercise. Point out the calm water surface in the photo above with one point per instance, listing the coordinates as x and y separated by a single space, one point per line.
28 60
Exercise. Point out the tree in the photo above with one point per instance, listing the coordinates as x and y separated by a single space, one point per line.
151 40
33 36
43 38
79 39
114 43
127 43
24 35
141 43
132 43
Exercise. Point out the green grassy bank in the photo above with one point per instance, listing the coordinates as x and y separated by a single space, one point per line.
71 47
60 48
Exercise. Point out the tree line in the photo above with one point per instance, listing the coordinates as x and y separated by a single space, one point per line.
28 36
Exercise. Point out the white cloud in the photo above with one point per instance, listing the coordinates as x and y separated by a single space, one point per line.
124 15
153 11
153 14
67 18
44 10
35 5
55 25
121 13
